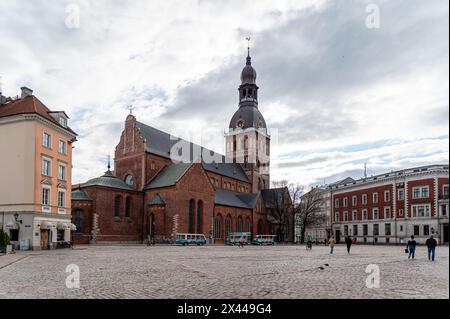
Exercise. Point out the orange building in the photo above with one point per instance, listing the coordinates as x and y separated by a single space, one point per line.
35 172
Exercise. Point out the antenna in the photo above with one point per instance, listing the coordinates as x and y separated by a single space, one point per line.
130 108
248 47
365 170
109 162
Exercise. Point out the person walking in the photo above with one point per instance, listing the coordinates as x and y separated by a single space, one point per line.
431 244
411 247
348 242
332 242
309 242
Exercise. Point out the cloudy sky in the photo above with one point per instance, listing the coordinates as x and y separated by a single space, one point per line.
335 93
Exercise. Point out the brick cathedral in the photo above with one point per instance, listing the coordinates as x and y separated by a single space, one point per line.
162 185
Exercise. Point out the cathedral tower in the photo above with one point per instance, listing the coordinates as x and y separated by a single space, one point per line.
248 141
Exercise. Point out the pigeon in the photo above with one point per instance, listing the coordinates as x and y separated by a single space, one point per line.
327 265
321 268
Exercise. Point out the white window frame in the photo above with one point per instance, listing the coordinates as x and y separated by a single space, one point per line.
345 201
377 210
365 214
63 121
44 140
415 210
64 198
401 194
375 195
387 196
62 150
346 216
44 173
443 189
355 200
364 199
48 202
64 170
387 208
420 191
336 203
337 217
354 214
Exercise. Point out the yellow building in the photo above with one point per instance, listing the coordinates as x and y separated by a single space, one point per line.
35 172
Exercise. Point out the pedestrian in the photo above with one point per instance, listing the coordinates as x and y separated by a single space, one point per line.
309 242
411 247
431 244
332 242
348 242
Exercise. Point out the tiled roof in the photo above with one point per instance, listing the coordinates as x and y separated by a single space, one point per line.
161 143
235 199
79 194
168 176
29 105
108 180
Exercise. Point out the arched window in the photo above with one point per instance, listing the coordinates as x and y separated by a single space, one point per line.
117 204
260 227
240 225
234 145
228 225
200 217
248 225
79 220
191 216
218 227
128 203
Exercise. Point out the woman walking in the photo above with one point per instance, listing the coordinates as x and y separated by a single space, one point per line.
332 242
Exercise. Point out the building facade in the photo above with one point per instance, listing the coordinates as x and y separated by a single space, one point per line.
389 208
163 185
36 172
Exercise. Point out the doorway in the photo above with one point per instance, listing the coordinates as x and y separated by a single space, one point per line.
338 236
446 234
45 239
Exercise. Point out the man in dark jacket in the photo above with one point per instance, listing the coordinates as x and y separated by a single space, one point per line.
431 244
349 242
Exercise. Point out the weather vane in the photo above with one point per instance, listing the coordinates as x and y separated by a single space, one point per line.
131 108
248 40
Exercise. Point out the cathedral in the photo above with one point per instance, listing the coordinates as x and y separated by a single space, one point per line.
163 185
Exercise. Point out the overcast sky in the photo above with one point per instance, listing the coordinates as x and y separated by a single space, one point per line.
335 93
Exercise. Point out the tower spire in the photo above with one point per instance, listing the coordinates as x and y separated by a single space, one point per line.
249 59
109 162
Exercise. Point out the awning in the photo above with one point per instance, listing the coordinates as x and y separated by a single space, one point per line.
62 226
47 225
73 227
11 225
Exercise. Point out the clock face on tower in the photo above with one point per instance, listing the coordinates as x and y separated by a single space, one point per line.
240 123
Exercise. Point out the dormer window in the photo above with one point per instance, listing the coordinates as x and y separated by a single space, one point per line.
63 121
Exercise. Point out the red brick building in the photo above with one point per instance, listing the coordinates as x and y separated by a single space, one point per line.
389 208
163 185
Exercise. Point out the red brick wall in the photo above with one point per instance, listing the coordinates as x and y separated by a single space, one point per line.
370 204
430 200
441 183
103 205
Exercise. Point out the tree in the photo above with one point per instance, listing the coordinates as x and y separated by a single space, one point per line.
283 200
310 211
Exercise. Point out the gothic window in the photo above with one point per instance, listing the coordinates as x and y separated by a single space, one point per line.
153 166
248 225
117 204
218 227
129 180
239 224
79 220
128 207
200 217
227 225
191 216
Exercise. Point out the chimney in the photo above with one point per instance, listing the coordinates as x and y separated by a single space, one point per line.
26 92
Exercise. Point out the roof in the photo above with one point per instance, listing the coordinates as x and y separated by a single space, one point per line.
235 199
108 180
161 143
30 105
269 196
79 194
168 176
157 201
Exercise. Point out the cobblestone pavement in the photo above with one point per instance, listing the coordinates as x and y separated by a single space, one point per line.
226 272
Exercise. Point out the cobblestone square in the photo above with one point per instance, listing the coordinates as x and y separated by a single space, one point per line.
224 272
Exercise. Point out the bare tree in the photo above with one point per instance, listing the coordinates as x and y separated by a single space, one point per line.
309 211
284 198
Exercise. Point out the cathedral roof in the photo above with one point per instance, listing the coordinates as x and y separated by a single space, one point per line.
234 199
248 75
108 180
78 194
168 176
161 143
250 117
